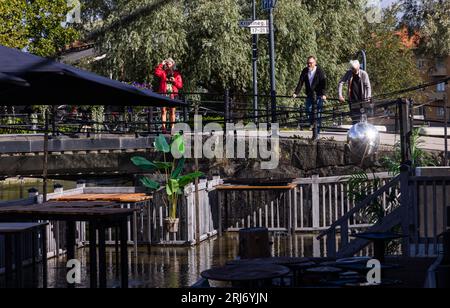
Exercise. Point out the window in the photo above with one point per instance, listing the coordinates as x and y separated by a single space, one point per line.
441 112
441 87
421 64
440 63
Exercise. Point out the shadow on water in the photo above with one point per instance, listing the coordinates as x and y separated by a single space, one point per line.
174 267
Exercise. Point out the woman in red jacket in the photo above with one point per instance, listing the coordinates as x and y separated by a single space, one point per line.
170 83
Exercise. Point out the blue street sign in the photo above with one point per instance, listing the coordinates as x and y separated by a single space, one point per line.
268 4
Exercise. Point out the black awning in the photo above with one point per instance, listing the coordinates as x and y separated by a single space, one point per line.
54 83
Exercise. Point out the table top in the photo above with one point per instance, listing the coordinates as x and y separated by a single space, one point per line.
249 272
378 236
77 211
275 260
253 187
123 198
20 227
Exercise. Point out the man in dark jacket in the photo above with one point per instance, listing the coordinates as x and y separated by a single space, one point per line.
314 80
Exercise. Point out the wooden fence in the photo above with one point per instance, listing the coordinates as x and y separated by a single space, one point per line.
312 206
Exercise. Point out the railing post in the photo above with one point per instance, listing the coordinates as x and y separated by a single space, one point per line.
149 119
186 111
315 202
405 203
227 107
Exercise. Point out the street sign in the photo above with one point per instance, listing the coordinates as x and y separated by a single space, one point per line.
260 30
268 4
253 23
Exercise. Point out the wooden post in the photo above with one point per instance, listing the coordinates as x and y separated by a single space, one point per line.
405 131
254 243
315 202
405 203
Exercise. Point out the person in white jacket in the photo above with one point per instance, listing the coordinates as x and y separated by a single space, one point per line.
359 89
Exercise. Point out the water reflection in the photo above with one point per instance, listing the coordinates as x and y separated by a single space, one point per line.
173 267
19 189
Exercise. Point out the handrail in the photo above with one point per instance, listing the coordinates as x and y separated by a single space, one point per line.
360 206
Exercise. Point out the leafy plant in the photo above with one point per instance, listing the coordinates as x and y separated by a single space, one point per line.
172 171
419 156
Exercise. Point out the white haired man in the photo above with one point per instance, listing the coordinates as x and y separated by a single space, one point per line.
359 89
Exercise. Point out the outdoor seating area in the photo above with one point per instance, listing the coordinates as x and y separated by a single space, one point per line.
288 272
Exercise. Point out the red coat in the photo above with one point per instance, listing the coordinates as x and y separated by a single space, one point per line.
162 75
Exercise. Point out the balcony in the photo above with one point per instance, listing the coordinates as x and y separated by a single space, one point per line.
437 96
438 72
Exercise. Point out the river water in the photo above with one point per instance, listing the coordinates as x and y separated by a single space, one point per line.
158 266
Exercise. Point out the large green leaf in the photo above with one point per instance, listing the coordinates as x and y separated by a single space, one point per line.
162 165
176 173
143 163
178 144
188 178
172 187
149 183
161 144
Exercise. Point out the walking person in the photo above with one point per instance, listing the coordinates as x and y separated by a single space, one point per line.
314 80
359 90
170 82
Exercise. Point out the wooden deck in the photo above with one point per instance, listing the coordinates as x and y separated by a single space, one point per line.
122 198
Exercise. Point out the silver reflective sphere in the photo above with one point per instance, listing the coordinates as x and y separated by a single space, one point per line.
363 140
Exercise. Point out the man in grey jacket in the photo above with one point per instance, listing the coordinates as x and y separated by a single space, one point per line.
359 89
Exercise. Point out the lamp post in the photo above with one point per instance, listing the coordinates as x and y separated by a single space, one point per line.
270 5
255 66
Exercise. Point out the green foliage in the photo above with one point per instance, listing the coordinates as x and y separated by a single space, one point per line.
213 52
431 18
420 157
388 58
436 27
175 181
36 25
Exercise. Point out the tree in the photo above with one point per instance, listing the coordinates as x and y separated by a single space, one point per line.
133 50
391 62
436 28
12 30
432 19
35 25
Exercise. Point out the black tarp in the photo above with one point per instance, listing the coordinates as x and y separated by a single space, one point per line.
54 83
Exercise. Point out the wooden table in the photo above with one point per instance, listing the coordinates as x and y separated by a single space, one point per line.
16 231
246 275
139 200
100 216
229 187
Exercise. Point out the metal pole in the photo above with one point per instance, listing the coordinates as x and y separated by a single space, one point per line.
45 171
315 128
273 91
255 68
445 129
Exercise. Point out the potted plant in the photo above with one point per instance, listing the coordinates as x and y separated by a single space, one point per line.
172 173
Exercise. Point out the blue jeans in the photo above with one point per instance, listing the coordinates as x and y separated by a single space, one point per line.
319 109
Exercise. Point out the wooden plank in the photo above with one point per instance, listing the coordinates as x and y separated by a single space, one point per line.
250 187
315 203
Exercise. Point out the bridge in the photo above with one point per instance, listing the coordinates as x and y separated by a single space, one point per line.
109 155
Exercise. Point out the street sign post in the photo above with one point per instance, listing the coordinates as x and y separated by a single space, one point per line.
259 30
253 23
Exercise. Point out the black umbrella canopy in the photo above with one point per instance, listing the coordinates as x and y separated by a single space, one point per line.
54 83
8 80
